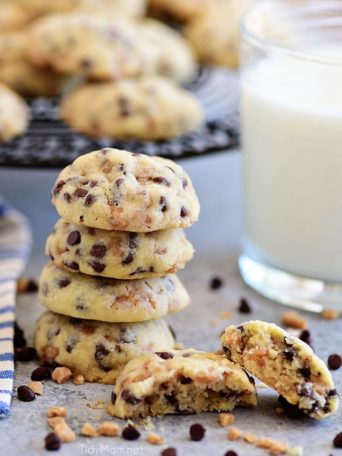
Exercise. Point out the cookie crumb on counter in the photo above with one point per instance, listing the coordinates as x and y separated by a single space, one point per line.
226 419
244 306
56 411
61 374
36 387
225 314
234 433
155 439
179 346
330 314
88 430
249 437
25 285
99 404
293 319
78 379
64 432
53 421
108 428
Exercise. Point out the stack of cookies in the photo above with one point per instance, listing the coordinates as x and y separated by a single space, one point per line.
114 255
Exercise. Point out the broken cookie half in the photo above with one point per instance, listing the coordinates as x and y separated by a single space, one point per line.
284 363
180 381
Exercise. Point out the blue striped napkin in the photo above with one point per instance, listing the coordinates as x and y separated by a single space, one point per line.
15 244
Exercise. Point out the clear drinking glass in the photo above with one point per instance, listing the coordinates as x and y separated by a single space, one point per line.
291 106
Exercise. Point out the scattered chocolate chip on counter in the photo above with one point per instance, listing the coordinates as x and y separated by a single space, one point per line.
41 373
244 306
169 452
130 432
19 340
25 394
334 361
338 440
305 336
52 442
25 354
25 285
216 283
231 453
234 434
197 432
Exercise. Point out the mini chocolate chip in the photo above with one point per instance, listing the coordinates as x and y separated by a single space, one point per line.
100 353
74 238
184 212
338 440
161 180
92 183
119 182
332 392
98 250
305 336
334 361
97 266
231 453
80 192
129 397
62 283
86 64
73 265
185 380
25 394
169 452
70 343
113 397
81 219
184 182
31 286
128 259
41 373
216 283
67 197
197 432
162 202
52 442
305 372
58 187
289 354
124 106
244 306
164 355
172 331
133 241
90 199
130 432
25 354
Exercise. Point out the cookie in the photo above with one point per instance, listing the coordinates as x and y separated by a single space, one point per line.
174 57
215 34
97 350
14 114
90 45
284 363
180 381
114 189
178 10
148 108
118 254
13 17
81 296
131 7
18 73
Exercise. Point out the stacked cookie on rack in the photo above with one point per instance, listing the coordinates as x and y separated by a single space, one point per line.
114 255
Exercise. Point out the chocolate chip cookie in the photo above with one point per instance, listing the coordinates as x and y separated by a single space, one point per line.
14 114
116 190
118 254
110 300
97 350
178 10
180 381
284 363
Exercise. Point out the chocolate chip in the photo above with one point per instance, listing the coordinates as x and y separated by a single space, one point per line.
129 397
292 411
216 283
305 336
74 238
119 182
73 265
184 212
334 361
80 192
31 286
97 266
92 183
25 394
113 397
162 202
90 199
171 399
338 440
185 380
62 283
25 354
67 197
164 355
161 180
41 373
19 340
289 354
86 64
197 432
58 187
305 372
244 306
100 353
130 432
169 452
81 219
231 453
125 109
184 182
80 303
98 250
70 343
172 331
52 442
132 245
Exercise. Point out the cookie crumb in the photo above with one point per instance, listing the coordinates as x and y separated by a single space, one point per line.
264 442
330 314
216 283
36 387
244 306
226 419
234 433
88 430
64 432
108 428
278 448
292 319
179 346
197 432
214 323
61 374
56 411
226 314
54 421
155 439
96 405
250 438
78 379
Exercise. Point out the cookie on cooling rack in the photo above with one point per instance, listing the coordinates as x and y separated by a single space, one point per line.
178 10
14 114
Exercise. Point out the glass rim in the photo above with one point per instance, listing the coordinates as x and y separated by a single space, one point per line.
267 45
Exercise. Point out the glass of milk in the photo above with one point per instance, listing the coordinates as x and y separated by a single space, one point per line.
291 106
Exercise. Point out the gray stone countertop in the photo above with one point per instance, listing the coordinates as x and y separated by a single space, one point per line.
216 238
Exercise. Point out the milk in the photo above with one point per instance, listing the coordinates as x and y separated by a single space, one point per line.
292 140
